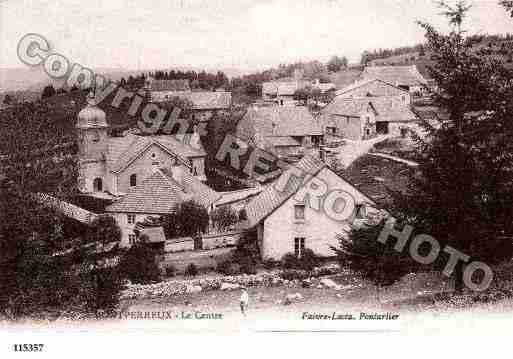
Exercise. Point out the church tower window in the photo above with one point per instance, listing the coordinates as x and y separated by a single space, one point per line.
133 180
97 185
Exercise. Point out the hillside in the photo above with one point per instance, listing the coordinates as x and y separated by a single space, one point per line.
500 47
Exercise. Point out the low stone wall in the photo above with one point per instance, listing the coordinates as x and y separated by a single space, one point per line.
218 240
267 279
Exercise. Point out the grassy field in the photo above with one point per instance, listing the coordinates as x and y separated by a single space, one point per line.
374 176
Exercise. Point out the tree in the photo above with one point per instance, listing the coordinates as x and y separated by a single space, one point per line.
336 63
246 254
7 99
224 217
188 219
508 4
374 261
301 95
37 277
48 91
138 263
463 193
104 230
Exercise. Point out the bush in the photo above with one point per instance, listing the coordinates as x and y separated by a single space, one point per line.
306 262
246 254
224 218
225 267
292 274
170 271
289 261
138 264
191 270
109 284
247 265
270 264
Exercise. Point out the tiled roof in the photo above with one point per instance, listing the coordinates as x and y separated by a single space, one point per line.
282 141
123 150
397 75
155 234
202 193
170 85
347 106
160 193
271 198
364 82
237 196
345 77
278 121
386 108
283 88
207 100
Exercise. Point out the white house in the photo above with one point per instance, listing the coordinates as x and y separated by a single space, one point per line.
288 222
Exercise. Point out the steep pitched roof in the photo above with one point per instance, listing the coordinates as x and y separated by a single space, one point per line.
386 108
123 150
345 77
169 85
397 75
279 121
344 106
271 198
160 193
364 82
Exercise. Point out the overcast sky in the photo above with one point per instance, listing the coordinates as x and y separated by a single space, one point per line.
142 34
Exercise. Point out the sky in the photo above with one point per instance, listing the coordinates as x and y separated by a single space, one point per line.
243 34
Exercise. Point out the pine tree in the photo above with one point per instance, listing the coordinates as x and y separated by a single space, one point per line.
463 193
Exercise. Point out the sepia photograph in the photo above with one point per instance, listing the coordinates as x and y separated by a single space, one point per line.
273 168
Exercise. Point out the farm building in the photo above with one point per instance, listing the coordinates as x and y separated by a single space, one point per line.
363 118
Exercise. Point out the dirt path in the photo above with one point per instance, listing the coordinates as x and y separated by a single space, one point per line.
395 158
352 150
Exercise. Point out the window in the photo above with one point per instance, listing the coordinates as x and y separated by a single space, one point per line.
404 98
130 218
96 136
131 239
133 180
361 211
299 246
299 211
97 185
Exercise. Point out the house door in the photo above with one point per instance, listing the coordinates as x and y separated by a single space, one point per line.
382 127
198 243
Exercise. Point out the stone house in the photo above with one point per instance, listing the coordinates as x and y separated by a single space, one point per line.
362 118
113 165
287 222
281 130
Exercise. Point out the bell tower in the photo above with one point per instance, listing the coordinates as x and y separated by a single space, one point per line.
92 147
